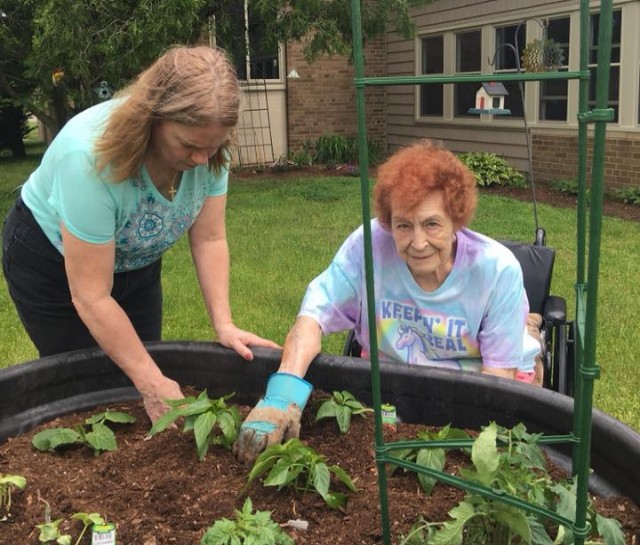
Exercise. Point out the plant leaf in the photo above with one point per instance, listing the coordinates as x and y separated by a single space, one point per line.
55 437
451 532
344 477
433 458
201 430
119 417
610 530
484 454
101 438
321 479
343 416
88 518
514 519
16 480
327 410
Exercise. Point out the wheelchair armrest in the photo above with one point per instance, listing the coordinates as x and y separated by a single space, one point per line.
555 309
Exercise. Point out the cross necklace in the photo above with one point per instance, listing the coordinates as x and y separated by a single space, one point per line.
172 189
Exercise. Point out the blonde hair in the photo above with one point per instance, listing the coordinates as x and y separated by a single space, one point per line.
194 86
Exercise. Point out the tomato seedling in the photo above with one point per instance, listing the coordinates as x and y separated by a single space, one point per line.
342 406
202 415
248 528
295 465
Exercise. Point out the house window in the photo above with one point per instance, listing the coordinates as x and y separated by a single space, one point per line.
510 42
614 73
554 93
468 60
431 94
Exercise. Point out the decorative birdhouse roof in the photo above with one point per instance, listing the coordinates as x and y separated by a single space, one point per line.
495 88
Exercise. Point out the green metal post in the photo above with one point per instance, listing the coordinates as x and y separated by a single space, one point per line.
358 59
583 101
589 370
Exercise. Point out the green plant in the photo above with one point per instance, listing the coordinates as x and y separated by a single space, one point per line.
489 169
542 56
568 186
433 458
248 528
7 483
50 530
95 434
294 465
335 149
202 416
629 195
511 461
341 406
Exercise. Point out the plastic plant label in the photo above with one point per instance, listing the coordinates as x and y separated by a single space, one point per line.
103 534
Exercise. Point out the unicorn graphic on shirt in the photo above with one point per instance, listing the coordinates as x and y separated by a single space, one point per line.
417 349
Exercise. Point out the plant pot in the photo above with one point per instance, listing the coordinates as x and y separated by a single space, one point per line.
37 391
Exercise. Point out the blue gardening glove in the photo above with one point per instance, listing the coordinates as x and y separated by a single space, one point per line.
276 417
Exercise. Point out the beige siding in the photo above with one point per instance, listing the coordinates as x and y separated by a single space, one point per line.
504 136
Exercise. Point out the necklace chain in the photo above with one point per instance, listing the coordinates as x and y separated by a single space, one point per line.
172 190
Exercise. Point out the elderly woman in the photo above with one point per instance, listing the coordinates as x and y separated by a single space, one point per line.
445 295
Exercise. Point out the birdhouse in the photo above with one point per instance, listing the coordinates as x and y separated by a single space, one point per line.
490 99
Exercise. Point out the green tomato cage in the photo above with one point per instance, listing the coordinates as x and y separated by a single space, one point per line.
586 287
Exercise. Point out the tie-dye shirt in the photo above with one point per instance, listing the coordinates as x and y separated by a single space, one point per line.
476 317
66 188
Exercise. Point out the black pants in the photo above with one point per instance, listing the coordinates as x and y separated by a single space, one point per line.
35 273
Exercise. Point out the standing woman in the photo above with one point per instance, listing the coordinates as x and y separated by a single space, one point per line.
117 187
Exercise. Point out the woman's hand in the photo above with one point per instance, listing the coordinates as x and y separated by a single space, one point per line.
233 337
154 399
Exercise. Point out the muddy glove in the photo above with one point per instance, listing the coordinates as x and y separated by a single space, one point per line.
275 418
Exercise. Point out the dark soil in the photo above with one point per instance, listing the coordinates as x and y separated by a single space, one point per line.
158 493
544 193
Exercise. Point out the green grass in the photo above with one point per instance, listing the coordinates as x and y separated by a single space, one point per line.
282 233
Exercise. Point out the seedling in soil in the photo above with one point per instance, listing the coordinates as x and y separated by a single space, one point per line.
248 528
432 458
341 406
50 530
511 461
295 465
95 434
7 483
202 415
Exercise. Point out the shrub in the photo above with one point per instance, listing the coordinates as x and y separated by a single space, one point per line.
568 186
629 195
489 169
336 149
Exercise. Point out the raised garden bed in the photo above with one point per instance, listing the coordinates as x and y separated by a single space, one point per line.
158 492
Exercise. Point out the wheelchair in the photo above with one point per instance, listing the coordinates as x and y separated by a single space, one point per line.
557 333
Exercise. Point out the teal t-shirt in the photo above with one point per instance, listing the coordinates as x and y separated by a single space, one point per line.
66 189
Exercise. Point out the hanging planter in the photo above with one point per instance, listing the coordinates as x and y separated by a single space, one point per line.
542 55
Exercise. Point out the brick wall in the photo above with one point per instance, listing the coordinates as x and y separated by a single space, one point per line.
556 157
322 100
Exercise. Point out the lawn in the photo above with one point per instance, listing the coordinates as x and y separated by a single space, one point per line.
283 232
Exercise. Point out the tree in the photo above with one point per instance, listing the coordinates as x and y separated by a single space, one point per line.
323 25
54 54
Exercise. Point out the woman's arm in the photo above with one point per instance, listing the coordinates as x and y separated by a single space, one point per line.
89 270
303 343
210 252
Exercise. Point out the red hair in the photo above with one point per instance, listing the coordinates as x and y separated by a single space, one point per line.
409 175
